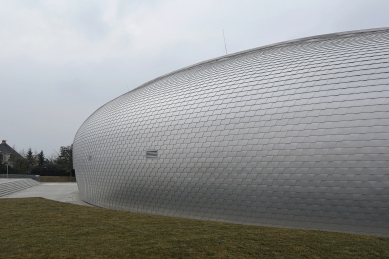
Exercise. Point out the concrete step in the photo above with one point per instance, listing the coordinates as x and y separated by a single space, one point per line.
15 186
11 187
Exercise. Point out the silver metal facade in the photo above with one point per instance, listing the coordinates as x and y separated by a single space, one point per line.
294 134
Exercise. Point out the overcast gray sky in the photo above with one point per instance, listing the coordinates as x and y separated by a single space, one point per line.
61 60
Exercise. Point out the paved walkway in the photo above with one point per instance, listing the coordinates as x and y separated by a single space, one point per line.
64 192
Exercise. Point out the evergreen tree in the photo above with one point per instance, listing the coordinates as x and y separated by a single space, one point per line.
65 159
41 160
30 159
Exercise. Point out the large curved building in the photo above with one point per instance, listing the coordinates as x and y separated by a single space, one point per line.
293 134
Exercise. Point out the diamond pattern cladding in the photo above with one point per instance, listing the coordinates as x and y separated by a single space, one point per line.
295 134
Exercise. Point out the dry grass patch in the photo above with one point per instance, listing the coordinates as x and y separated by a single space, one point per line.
39 228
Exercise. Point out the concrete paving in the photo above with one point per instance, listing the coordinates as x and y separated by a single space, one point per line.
64 192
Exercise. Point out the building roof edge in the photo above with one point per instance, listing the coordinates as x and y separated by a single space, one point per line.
224 57
278 44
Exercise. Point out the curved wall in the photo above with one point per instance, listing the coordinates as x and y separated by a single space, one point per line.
293 134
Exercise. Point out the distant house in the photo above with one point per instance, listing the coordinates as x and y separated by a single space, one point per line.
7 153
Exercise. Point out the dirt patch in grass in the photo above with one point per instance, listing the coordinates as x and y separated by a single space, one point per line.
57 179
39 228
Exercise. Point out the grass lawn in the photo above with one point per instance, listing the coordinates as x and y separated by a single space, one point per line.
39 228
57 179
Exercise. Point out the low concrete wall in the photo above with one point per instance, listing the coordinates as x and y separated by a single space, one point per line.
12 176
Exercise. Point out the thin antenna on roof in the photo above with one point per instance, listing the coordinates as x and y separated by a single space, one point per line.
225 46
128 87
